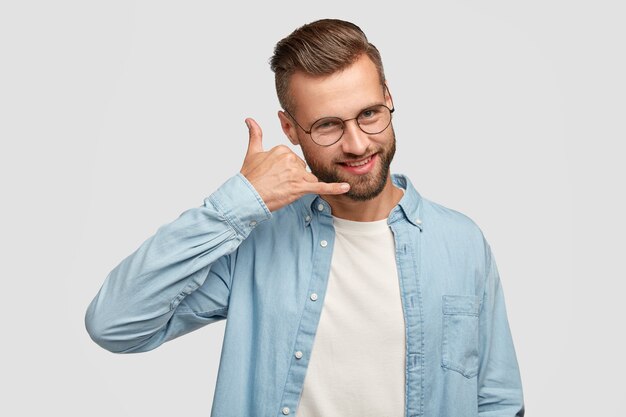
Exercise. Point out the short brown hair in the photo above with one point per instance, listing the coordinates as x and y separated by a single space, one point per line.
320 48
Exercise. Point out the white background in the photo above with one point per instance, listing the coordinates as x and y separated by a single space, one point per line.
117 116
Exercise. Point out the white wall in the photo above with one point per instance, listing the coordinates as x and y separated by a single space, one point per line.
117 116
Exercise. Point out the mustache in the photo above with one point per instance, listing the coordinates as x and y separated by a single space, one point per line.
354 157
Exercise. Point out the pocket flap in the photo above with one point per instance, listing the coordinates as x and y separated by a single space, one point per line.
461 304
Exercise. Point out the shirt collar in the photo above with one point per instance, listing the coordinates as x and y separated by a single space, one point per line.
409 206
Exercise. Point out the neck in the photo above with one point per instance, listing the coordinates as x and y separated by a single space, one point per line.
377 208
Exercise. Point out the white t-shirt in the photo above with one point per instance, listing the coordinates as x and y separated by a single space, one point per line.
357 366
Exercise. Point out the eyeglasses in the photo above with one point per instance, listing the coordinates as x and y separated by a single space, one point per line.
328 130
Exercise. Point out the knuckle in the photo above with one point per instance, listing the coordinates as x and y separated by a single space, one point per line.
295 185
281 149
292 171
290 157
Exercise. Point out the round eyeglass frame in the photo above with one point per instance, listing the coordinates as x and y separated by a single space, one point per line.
343 121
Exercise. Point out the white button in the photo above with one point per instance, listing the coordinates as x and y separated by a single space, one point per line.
320 207
253 223
418 221
314 297
307 218
285 410
298 355
323 243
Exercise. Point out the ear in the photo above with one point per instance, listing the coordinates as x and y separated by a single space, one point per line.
289 128
388 98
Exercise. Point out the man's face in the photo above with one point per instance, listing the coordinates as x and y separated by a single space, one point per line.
343 94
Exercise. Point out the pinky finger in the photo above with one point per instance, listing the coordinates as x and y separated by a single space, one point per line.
329 188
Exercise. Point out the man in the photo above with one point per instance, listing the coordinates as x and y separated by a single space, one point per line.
346 292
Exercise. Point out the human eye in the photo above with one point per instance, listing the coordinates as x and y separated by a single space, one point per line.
366 114
326 125
370 114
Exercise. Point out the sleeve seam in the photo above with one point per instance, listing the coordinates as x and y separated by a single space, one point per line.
209 312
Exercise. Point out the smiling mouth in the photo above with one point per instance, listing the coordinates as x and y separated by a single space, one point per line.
359 162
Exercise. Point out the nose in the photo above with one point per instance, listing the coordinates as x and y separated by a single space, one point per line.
354 141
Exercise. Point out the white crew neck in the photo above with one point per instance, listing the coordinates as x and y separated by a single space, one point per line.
352 227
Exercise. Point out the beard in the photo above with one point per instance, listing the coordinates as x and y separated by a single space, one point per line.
362 187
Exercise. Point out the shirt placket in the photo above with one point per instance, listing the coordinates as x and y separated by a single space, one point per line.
408 252
320 221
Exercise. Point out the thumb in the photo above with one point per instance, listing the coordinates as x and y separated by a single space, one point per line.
255 143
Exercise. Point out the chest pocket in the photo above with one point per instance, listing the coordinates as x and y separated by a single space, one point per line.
460 334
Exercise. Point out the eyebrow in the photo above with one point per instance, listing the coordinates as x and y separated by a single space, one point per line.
378 103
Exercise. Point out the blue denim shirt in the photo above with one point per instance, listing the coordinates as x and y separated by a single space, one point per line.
267 274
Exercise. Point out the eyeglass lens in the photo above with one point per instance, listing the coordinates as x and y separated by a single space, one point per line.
372 120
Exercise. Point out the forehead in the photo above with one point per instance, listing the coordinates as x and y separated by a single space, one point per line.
340 94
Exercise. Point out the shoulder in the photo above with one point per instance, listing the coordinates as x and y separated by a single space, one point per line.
448 218
454 238
434 216
453 228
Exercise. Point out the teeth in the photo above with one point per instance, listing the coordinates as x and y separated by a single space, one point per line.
358 164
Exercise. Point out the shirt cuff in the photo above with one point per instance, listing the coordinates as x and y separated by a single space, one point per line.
240 204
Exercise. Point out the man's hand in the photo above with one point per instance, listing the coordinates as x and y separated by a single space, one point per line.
279 175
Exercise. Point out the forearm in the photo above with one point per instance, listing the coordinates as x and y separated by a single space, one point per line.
140 295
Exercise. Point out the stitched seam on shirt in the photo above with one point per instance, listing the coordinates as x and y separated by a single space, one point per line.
459 313
419 294
289 370
486 281
291 363
406 318
461 370
218 205
256 194
209 312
